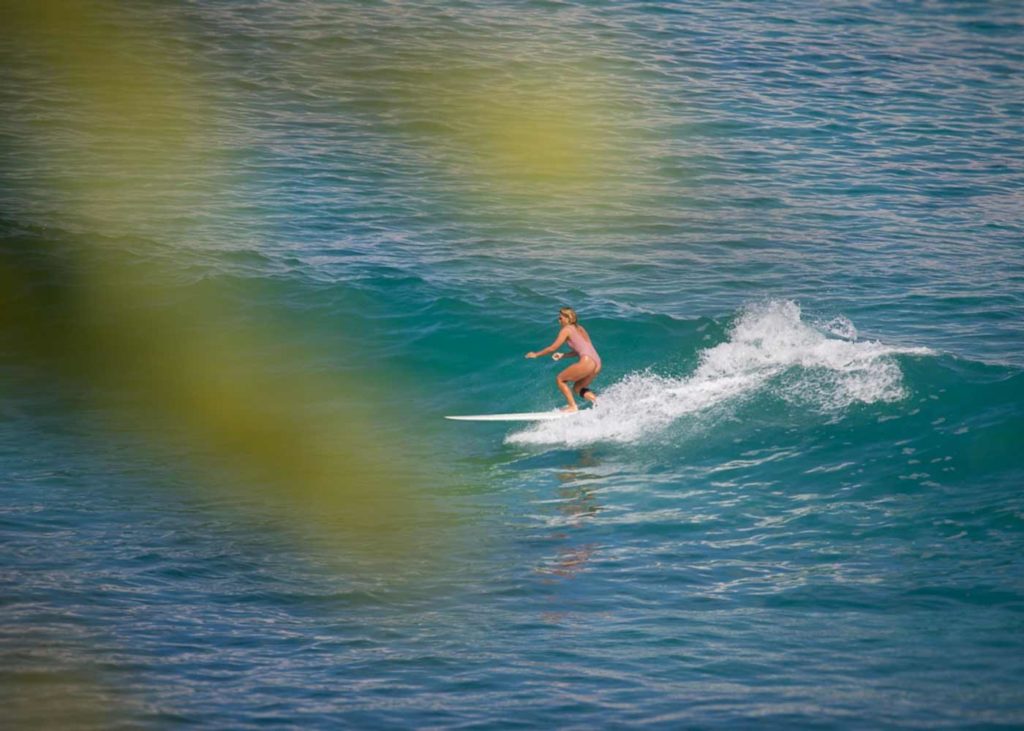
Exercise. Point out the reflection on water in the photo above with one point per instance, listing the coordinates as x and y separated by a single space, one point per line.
577 502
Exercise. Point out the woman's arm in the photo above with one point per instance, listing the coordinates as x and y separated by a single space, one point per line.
563 335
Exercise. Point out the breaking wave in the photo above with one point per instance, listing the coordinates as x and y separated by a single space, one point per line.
770 349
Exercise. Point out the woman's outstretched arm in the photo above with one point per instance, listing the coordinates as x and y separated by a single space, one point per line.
563 335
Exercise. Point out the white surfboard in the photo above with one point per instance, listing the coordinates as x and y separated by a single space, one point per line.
527 416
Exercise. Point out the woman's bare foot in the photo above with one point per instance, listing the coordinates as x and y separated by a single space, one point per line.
569 409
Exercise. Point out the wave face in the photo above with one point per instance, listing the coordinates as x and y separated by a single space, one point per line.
251 253
770 352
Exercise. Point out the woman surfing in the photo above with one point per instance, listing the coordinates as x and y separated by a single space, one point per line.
580 374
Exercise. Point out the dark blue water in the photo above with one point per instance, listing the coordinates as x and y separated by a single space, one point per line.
252 253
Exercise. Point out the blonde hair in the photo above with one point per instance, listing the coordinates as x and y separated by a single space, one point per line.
570 314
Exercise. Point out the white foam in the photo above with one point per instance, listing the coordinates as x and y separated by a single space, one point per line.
841 327
770 348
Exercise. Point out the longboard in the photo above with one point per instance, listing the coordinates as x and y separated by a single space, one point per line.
527 416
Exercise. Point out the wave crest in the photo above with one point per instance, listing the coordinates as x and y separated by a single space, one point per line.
770 349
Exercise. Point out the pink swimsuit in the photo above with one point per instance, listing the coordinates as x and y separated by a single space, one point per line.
583 347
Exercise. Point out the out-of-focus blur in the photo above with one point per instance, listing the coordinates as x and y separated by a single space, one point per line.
111 305
252 252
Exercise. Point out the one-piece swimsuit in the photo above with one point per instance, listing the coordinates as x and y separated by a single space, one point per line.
582 346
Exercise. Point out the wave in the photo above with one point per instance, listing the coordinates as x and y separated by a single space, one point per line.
770 348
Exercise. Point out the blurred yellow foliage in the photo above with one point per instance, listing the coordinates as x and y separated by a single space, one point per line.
174 363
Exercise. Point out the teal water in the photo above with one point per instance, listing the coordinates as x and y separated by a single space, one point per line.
794 233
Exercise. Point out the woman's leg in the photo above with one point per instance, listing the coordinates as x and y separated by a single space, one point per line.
576 372
583 383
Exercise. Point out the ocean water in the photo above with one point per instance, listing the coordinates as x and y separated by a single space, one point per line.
252 253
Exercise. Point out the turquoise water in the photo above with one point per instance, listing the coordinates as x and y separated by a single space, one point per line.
793 232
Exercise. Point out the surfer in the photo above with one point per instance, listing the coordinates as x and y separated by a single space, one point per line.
580 374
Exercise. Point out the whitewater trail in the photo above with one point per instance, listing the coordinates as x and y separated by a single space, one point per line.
770 348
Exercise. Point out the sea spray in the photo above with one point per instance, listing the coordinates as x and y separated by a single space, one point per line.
770 349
